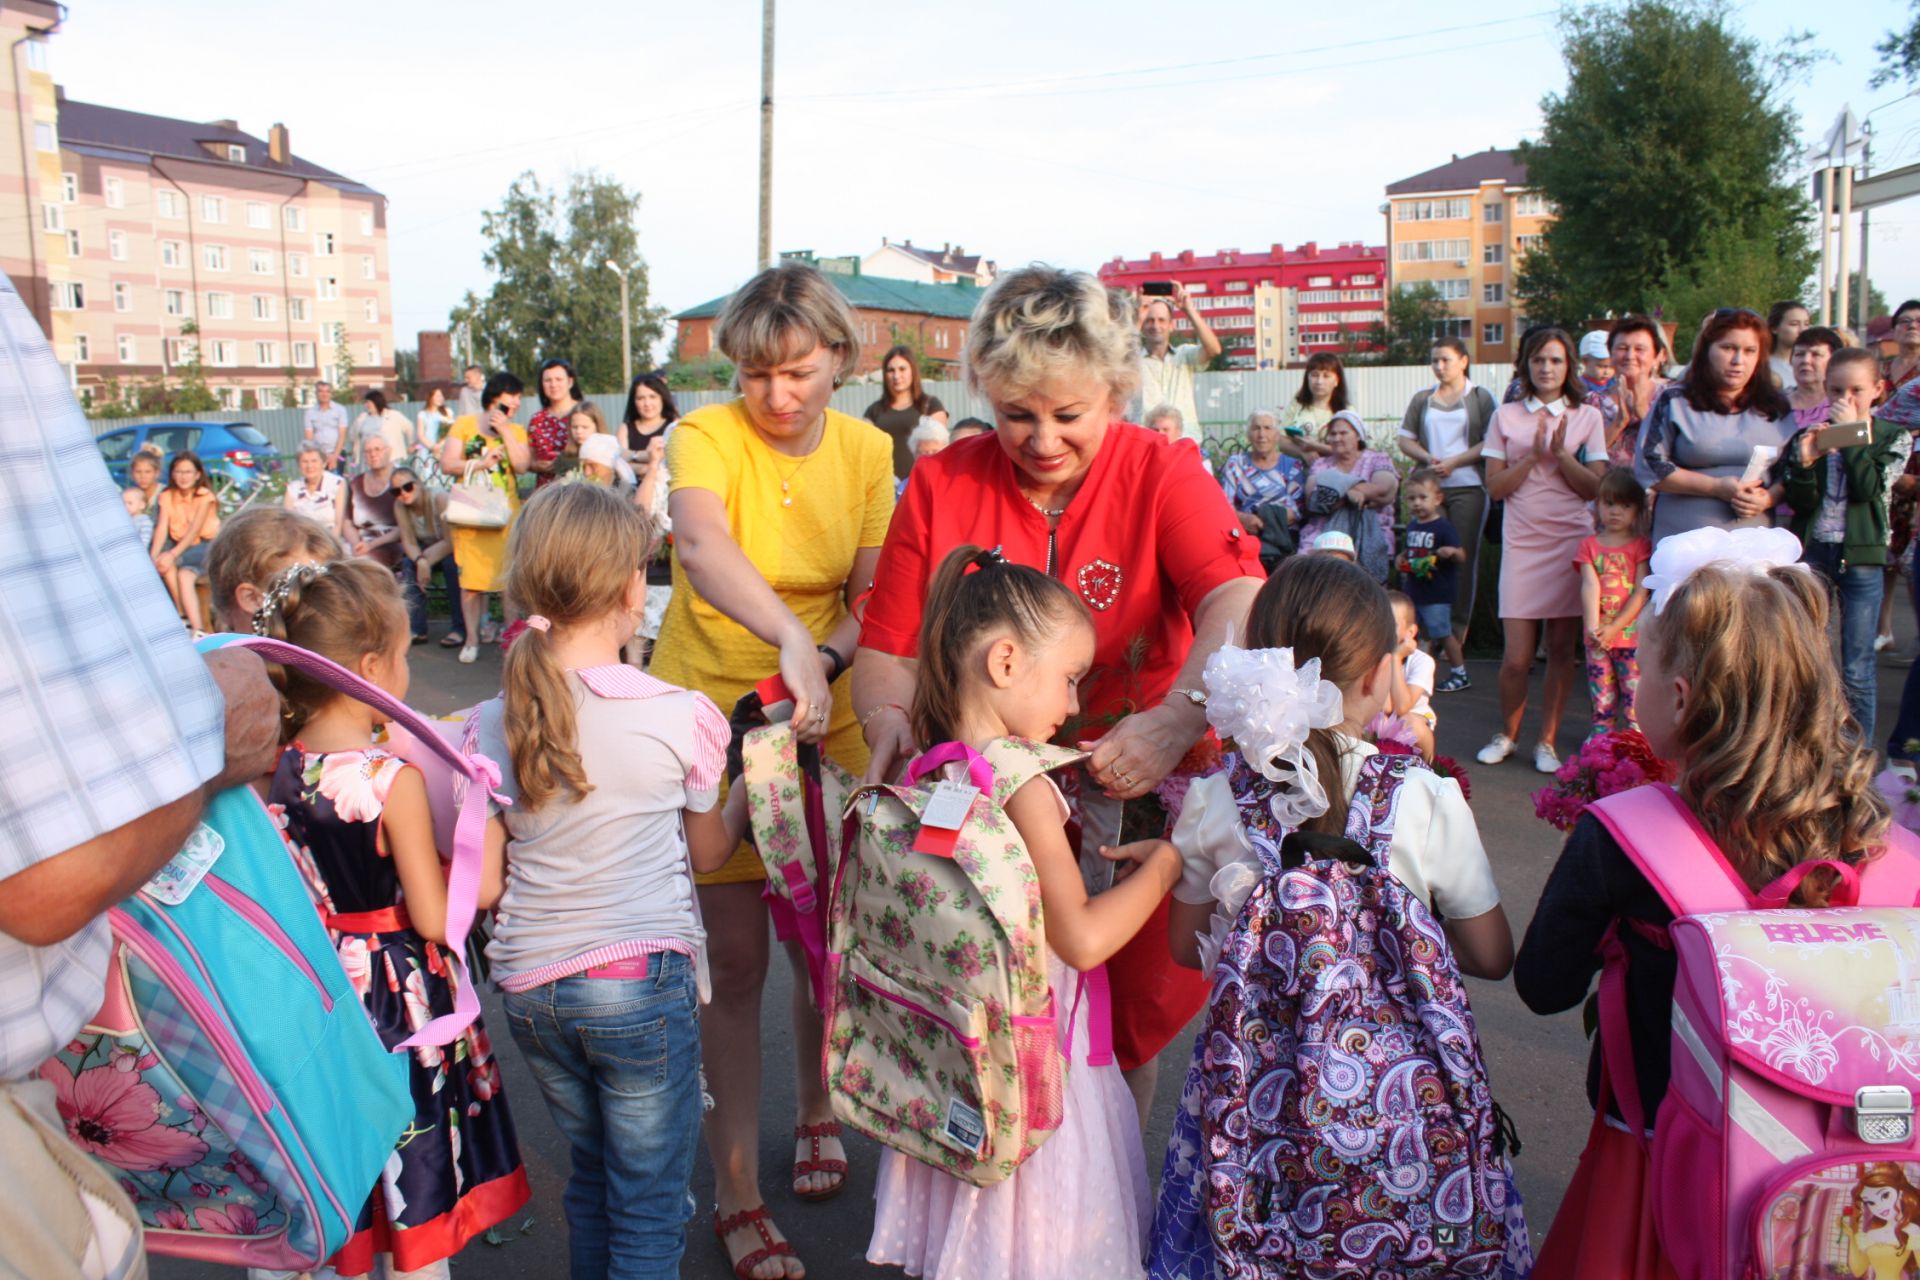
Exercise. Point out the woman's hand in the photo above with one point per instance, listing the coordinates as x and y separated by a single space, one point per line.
889 737
1559 440
164 562
1250 522
801 666
1750 500
1443 467
422 573
1139 752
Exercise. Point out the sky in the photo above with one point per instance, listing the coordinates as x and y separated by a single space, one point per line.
1064 131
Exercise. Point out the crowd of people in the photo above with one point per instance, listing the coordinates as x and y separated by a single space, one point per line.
1223 650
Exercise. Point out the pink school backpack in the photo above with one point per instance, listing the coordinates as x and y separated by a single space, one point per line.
1786 1145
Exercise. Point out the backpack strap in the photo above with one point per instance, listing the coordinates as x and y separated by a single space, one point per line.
1667 844
1016 762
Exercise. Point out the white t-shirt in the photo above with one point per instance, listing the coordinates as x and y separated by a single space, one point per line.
1436 850
1447 436
321 504
1169 380
1420 669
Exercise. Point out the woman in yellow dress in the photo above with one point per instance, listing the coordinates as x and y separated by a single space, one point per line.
499 445
779 507
1883 1231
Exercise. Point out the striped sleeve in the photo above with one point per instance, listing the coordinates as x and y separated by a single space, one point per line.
711 734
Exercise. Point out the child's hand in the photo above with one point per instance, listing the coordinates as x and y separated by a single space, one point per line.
1407 645
1136 854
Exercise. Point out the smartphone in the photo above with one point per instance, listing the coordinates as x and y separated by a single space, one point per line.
1295 430
1157 289
1842 435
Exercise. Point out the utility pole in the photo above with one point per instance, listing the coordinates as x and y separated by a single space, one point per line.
1866 291
766 135
626 326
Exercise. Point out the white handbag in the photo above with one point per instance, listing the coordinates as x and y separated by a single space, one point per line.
477 502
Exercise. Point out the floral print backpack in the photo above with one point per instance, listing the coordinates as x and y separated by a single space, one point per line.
1346 1122
941 1038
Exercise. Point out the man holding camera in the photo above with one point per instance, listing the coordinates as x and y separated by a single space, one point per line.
1166 371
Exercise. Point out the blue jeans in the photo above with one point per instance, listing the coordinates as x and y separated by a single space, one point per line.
619 1062
417 598
1860 589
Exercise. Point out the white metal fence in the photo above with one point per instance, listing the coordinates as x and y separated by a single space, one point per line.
1380 393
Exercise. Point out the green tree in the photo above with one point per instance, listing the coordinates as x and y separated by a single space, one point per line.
1876 301
1899 53
343 363
552 293
192 394
911 339
406 372
1413 320
1666 159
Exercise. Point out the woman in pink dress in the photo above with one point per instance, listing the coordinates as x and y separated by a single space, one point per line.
1545 454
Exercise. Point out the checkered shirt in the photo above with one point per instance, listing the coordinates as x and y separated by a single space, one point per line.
106 712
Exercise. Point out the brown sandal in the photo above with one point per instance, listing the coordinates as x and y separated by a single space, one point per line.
757 1218
814 1163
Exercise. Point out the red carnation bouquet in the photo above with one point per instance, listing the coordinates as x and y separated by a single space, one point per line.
1605 764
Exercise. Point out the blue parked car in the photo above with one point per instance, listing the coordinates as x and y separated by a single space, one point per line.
235 451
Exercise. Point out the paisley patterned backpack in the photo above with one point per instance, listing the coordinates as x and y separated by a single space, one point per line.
1348 1129
941 1039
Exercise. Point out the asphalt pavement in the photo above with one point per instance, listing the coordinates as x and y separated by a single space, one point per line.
1536 1064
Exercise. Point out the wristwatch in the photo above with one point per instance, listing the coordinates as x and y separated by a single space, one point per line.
1198 697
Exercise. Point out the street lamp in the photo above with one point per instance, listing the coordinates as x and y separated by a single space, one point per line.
626 326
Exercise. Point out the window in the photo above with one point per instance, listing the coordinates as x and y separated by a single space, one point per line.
1491 293
258 215
220 306
1527 244
303 356
166 203
266 354
373 355
366 266
37 54
225 352
213 209
1494 254
297 265
173 253
323 244
366 222
116 193
43 137
117 245
260 262
372 310
267 397
1433 250
1432 210
296 308
330 373
229 397
295 217
1319 282
330 290
82 350
1493 213
53 217
236 154
176 302
1454 327
263 308
214 256
70 187
122 297
73 244
1364 280
1494 334
129 349
179 351
1236 286
1531 204
69 295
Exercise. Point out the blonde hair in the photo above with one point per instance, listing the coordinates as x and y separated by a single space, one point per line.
344 610
783 313
570 559
1041 324
588 409
256 544
1773 764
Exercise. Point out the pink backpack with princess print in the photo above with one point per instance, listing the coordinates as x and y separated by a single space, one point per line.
1796 1053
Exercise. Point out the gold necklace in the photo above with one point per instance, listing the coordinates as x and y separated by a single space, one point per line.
787 477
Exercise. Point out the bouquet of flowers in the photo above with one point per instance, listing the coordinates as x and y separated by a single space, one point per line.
1606 763
1897 784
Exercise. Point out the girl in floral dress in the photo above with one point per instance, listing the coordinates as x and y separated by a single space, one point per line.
1003 648
357 819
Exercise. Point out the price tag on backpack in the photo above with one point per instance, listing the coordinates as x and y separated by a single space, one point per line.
184 871
941 820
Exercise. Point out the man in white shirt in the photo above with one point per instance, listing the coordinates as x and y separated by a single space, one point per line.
326 424
1166 371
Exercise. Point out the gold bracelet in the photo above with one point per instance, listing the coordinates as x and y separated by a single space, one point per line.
885 706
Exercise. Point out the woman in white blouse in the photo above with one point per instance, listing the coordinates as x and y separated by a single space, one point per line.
317 493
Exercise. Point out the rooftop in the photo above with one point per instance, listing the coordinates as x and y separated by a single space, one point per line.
1278 255
88 124
876 293
1465 173
948 258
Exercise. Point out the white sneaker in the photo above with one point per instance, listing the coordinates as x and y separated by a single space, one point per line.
1883 641
1545 759
1494 752
469 653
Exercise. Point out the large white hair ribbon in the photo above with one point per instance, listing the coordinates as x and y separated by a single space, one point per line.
1266 705
1682 555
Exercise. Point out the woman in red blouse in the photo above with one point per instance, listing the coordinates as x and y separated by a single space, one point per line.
548 431
1129 521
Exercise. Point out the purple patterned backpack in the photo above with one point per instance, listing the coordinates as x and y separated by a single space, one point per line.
1348 1129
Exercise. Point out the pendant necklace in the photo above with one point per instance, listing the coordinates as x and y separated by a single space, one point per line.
786 479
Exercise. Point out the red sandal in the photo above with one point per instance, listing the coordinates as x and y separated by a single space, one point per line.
757 1218
814 1163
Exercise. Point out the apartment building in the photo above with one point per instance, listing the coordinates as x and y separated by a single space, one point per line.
134 228
1273 309
1464 227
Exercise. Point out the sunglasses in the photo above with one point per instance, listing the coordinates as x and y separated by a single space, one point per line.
408 487
1725 313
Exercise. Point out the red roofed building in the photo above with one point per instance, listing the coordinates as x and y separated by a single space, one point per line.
1274 308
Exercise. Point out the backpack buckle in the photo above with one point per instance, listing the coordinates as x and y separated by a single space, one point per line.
1883 1114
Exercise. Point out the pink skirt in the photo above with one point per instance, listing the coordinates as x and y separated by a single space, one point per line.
1604 1230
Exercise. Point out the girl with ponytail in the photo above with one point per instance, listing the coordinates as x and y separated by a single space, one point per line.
614 779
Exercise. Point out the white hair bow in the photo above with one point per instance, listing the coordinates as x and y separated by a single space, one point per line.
1266 705
1679 557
